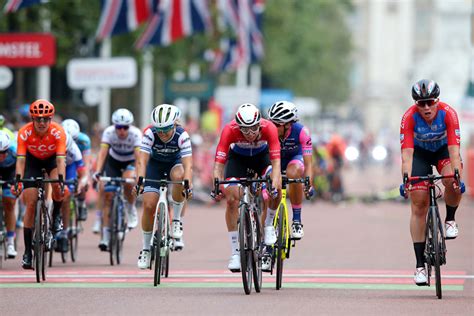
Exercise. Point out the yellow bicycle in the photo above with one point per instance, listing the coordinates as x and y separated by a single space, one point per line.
281 250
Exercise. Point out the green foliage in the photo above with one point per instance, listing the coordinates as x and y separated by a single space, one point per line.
307 47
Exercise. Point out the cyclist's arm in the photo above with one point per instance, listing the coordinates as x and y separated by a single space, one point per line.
407 160
218 171
21 155
276 173
20 166
454 138
103 152
61 165
188 168
142 162
455 157
308 167
307 149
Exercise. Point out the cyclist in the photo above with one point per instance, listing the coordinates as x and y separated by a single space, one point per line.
7 172
429 136
118 152
6 130
247 142
74 168
84 143
169 147
41 145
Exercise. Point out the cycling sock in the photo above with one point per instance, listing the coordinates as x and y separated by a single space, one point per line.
296 212
270 216
56 208
234 242
419 253
177 208
105 233
147 240
10 238
28 237
450 212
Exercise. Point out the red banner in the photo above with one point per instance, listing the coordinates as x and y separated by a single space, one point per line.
27 49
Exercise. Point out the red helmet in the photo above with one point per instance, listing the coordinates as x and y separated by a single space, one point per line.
41 108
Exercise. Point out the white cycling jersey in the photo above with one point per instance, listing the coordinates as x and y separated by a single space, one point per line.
73 154
122 149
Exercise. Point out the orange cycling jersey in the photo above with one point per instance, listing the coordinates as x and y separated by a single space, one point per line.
42 147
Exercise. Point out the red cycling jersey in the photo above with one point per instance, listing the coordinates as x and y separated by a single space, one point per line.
42 147
232 136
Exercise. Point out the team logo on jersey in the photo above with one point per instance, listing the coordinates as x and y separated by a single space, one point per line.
402 137
457 132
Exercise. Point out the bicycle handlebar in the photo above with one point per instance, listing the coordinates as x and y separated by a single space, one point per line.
117 179
164 182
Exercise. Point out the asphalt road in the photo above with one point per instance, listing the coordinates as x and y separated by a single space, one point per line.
355 259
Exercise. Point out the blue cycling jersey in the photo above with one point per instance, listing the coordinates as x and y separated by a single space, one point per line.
10 158
84 143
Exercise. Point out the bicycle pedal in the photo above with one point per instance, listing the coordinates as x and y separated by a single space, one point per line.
235 270
449 238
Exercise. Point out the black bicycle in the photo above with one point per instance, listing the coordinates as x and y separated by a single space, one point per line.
117 219
162 240
250 229
42 236
435 249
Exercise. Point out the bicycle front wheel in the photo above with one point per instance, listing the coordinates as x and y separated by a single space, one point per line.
257 253
113 229
245 233
436 240
38 256
159 244
73 231
281 246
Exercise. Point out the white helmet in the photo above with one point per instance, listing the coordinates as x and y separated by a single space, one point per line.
247 115
282 112
71 127
4 141
69 141
165 115
122 117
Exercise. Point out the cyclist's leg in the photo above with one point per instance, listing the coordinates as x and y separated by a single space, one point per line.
9 210
150 199
295 170
270 208
419 197
452 197
177 201
58 198
130 197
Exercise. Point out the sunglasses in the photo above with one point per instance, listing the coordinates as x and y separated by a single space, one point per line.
250 130
125 127
42 119
424 103
164 130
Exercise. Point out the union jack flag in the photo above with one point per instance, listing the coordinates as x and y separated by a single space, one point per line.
123 16
227 57
174 20
15 5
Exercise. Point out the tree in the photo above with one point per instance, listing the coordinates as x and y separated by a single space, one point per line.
307 48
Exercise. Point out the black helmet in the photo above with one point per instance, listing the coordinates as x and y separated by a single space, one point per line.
425 89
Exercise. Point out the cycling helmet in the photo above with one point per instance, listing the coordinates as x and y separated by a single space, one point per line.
247 115
122 117
282 112
24 110
71 127
41 108
164 115
2 120
4 141
425 89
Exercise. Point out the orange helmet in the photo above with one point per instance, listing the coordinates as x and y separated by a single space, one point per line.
41 108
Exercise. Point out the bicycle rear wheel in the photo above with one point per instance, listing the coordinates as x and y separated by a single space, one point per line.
257 253
120 235
46 228
159 243
73 235
436 240
38 258
281 246
245 233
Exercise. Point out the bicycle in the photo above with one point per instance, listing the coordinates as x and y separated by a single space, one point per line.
42 236
250 229
435 248
3 229
162 240
73 229
117 220
281 250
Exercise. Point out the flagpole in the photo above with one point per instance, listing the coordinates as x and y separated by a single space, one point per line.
104 106
146 86
43 78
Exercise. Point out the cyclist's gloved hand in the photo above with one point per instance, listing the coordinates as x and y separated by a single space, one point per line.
309 192
61 183
188 193
16 188
403 191
95 179
461 186
138 189
216 196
